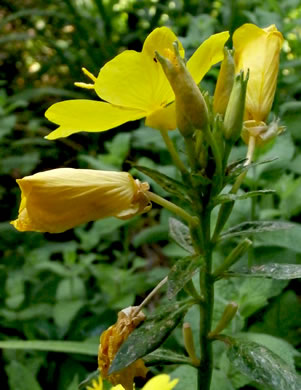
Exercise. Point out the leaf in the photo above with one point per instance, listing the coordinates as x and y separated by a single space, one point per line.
168 184
188 377
224 198
150 335
181 272
272 271
279 346
21 377
53 346
262 365
237 167
179 232
252 227
165 356
150 235
285 239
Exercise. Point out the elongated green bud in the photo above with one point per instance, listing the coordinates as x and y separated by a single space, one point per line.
233 257
236 108
224 83
189 344
226 318
191 109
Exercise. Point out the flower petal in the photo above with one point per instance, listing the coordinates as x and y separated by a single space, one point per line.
136 80
209 53
258 50
163 119
160 382
87 115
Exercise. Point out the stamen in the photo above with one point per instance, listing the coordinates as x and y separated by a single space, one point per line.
89 74
84 85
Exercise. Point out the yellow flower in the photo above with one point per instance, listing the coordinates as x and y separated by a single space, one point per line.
258 50
159 382
59 199
110 342
133 86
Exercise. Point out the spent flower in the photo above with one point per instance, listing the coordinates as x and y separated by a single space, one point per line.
60 199
110 342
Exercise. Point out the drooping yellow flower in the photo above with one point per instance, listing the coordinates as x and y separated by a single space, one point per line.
59 199
159 382
258 50
110 342
133 86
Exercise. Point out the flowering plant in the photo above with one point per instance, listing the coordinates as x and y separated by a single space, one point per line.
157 84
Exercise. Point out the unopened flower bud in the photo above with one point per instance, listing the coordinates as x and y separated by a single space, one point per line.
191 109
235 110
262 132
226 318
189 343
224 83
257 50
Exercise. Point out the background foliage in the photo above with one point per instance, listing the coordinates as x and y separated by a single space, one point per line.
70 286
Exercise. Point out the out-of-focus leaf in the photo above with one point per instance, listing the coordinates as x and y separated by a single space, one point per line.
20 377
52 345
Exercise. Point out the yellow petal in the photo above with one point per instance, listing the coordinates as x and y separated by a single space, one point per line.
136 80
258 50
209 53
73 116
59 199
118 387
160 382
163 119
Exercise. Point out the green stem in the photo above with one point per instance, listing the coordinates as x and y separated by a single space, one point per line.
172 207
206 308
226 208
216 153
174 154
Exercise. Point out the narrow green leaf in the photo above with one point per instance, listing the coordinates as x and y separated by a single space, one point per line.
165 356
53 346
237 167
179 232
252 227
168 184
262 365
150 335
271 271
224 198
181 272
90 377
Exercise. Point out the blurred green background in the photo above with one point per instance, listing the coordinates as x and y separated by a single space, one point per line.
70 286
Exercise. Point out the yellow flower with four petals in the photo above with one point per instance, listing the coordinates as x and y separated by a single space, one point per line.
133 86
